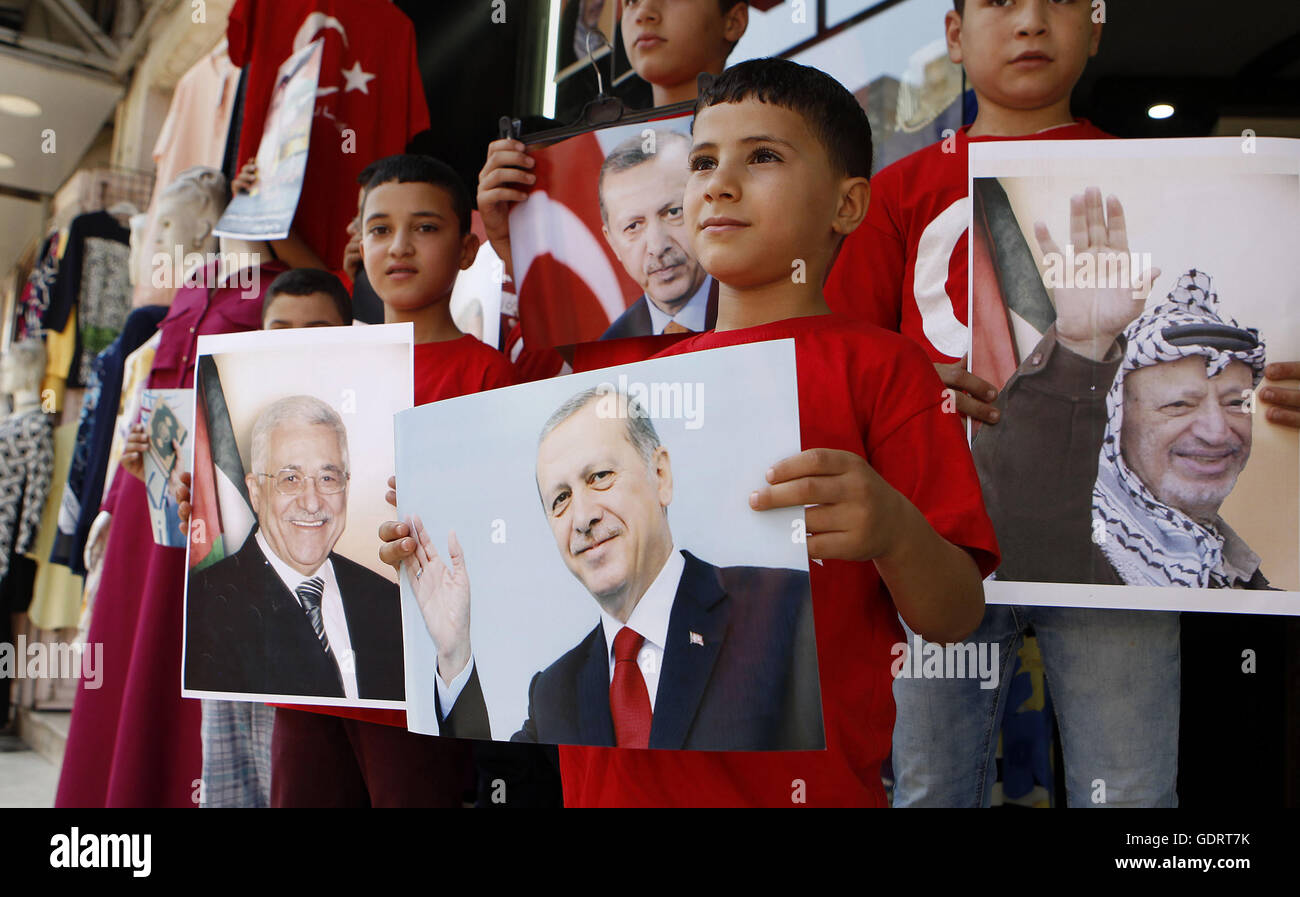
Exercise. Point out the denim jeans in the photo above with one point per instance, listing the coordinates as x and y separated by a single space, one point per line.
1114 680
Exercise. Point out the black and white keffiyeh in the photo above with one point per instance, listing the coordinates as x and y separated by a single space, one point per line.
1145 540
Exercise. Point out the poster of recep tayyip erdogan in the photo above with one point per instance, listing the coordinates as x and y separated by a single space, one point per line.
589 570
1127 300
286 598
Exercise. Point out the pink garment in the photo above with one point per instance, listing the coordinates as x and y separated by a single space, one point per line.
194 133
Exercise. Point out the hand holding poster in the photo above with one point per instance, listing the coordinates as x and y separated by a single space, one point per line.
286 597
266 212
1129 294
695 629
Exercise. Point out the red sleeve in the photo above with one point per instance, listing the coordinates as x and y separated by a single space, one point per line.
921 451
497 372
866 281
239 32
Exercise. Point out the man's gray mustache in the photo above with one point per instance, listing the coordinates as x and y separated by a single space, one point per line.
577 547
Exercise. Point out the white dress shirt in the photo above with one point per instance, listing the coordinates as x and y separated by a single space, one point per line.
336 623
693 315
649 619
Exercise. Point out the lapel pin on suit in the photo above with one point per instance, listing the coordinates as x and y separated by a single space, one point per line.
697 639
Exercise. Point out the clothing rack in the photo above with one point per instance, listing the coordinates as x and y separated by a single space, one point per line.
95 189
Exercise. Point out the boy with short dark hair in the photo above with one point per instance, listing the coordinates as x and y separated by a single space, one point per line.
778 177
306 297
414 240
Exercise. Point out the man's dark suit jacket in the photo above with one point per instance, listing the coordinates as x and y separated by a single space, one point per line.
751 685
636 320
246 632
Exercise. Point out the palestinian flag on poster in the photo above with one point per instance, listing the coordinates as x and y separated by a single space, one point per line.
221 514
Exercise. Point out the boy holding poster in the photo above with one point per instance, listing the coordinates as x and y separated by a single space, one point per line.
906 269
871 417
415 238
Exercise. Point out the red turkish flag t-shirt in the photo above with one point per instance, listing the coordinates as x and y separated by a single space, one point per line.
369 103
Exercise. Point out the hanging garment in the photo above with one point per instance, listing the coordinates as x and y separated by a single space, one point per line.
26 466
370 100
84 486
93 279
56 595
36 292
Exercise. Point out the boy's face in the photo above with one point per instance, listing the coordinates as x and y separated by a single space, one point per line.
411 244
670 42
284 312
762 193
1023 54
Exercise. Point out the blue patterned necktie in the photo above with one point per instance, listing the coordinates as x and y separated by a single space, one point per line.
310 593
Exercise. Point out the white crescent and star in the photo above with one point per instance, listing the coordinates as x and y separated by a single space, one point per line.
356 78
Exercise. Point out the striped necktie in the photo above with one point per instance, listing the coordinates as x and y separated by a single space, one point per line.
309 594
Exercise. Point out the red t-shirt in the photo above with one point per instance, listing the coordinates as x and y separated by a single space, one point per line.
370 101
443 370
905 267
864 390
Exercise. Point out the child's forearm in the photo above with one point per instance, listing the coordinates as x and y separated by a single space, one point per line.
935 585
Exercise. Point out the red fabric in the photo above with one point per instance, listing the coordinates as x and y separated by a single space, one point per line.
629 699
442 371
529 365
864 390
874 277
204 509
134 741
354 125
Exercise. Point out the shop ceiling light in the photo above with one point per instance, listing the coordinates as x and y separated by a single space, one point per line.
1160 110
6 161
20 106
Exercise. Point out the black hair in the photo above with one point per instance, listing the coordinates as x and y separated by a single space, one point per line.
960 6
304 282
412 169
832 114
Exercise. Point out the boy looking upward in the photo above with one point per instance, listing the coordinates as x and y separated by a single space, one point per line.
779 175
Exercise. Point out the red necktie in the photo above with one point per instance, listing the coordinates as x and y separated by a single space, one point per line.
629 701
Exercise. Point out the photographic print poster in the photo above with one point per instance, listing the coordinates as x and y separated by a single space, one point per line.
286 598
600 248
167 415
1125 297
267 212
574 516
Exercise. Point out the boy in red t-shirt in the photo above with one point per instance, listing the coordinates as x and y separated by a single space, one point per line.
415 238
883 525
906 269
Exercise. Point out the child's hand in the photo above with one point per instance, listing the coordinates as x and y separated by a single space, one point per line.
855 513
1289 398
971 393
396 535
352 252
137 443
1088 319
180 488
504 181
246 180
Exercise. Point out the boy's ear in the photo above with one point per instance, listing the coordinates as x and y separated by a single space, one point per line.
855 194
468 250
735 22
1095 44
952 33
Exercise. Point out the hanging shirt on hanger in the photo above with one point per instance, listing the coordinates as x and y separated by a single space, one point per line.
369 103
93 278
26 466
36 293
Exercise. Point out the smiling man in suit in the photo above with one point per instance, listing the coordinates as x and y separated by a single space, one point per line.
641 189
285 615
685 654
